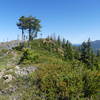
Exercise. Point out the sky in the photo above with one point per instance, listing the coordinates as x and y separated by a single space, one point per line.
75 20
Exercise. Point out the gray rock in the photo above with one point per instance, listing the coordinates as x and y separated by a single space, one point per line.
24 71
7 78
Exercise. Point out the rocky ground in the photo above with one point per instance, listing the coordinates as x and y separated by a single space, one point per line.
12 75
10 44
9 76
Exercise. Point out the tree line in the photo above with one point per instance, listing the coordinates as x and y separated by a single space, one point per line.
83 53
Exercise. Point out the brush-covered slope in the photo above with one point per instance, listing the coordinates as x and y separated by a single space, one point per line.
40 71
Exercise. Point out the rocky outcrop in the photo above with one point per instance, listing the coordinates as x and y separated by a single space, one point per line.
24 71
10 44
18 71
10 76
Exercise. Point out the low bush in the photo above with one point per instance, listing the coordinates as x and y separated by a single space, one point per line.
29 57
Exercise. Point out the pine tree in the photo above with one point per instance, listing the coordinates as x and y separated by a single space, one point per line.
87 54
98 53
31 24
68 51
59 41
63 43
21 25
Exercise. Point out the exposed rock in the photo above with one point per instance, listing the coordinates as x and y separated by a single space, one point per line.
17 67
24 71
11 89
8 90
10 44
48 41
7 78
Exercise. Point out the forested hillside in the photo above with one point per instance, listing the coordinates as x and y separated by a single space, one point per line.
48 68
62 72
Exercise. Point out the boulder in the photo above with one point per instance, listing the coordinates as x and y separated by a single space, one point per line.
7 78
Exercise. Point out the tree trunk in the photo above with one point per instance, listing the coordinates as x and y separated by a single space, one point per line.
30 37
22 34
22 43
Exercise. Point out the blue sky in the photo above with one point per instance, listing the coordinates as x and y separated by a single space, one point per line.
75 20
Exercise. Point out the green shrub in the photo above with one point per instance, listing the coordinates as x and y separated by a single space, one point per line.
29 57
66 82
3 51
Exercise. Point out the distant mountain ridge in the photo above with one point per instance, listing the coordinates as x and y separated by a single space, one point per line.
95 44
